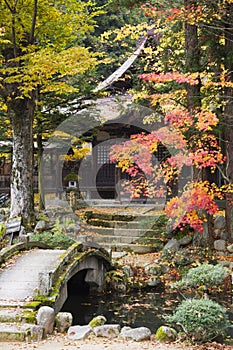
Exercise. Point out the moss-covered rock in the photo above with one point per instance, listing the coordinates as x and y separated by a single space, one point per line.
117 281
165 334
63 321
2 230
97 321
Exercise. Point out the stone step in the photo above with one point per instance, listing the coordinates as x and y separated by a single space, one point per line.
17 314
144 223
135 248
119 231
20 332
113 239
118 243
109 216
7 303
123 239
10 332
121 217
13 314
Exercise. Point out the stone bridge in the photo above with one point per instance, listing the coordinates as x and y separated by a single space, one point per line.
35 274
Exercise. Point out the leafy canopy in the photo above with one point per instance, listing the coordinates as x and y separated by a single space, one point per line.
165 84
41 45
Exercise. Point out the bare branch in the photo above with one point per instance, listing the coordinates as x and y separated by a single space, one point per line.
8 5
222 173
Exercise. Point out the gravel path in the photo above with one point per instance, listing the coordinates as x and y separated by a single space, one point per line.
60 342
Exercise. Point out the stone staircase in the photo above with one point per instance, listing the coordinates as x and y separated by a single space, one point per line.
122 231
17 323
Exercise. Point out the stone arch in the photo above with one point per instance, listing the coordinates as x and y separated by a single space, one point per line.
95 266
95 271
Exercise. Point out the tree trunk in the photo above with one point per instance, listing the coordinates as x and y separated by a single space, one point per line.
41 199
22 195
192 61
228 116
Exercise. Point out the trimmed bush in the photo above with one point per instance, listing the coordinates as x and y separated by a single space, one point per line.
204 275
201 319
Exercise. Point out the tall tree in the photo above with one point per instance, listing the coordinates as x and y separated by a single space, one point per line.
40 47
187 55
228 113
192 61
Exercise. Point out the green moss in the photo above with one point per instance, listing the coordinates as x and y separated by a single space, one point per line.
2 230
29 316
88 215
33 305
43 217
45 300
62 275
165 334
12 336
97 321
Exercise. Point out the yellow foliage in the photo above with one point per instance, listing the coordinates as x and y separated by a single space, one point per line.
56 54
78 153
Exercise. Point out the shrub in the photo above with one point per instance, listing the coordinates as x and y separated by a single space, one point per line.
201 319
54 240
204 275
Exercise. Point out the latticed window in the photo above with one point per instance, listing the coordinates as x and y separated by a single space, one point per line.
162 152
103 154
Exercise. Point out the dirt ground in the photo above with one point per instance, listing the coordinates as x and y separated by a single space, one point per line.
61 342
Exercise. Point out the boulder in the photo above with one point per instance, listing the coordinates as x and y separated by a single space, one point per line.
154 281
136 334
33 332
165 334
118 285
172 245
217 233
63 321
153 269
219 222
107 330
79 332
230 248
97 321
128 271
220 244
24 238
40 226
70 217
2 229
2 212
220 234
185 240
2 218
73 229
45 318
